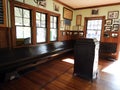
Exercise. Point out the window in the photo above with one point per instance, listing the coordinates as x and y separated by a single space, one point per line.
53 28
41 27
23 26
32 25
94 28
2 13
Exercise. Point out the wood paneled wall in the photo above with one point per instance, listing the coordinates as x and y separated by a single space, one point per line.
4 37
112 40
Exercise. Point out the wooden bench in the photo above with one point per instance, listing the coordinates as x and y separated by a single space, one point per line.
14 60
107 50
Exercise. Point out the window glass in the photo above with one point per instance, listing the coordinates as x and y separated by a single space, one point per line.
51 19
26 22
41 27
27 32
37 23
18 21
18 12
53 28
53 34
55 25
2 13
43 17
19 32
55 19
94 28
23 32
43 23
26 13
37 16
41 35
23 27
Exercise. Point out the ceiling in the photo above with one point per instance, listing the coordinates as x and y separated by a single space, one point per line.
77 4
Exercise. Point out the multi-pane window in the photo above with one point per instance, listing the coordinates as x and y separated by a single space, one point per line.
1 12
53 28
41 27
23 26
94 28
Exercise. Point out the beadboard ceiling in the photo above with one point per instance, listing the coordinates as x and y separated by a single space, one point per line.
77 4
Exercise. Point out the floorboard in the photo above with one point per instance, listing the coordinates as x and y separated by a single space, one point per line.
58 75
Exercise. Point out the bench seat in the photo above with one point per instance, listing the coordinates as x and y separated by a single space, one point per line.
20 58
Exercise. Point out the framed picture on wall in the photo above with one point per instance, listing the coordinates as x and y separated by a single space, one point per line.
113 14
108 22
94 11
41 2
78 20
107 28
116 21
115 27
67 22
67 13
56 7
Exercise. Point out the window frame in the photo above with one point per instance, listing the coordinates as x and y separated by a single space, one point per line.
23 23
33 23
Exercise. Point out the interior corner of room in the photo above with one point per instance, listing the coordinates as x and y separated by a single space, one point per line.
48 29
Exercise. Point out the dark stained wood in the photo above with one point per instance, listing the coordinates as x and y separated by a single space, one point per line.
18 59
4 34
58 75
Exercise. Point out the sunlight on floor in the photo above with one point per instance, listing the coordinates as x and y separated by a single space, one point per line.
69 60
113 69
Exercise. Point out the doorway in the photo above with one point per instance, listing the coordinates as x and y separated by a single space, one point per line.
93 27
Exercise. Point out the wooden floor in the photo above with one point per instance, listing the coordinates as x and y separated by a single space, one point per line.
58 75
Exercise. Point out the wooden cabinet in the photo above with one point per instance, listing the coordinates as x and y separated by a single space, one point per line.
86 58
108 50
